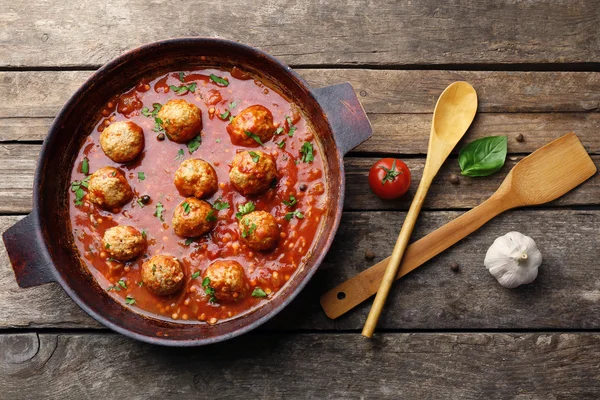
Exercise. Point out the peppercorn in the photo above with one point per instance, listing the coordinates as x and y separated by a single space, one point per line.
145 199
369 255
520 138
160 137
454 267
453 178
303 187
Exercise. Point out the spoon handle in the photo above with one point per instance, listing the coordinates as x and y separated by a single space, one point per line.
392 268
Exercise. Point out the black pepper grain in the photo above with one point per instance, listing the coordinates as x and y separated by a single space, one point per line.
145 199
160 137
520 138
454 267
303 187
369 255
453 178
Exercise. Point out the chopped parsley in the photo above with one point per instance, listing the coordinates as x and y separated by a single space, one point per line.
209 290
141 283
218 80
220 204
195 274
155 109
258 292
186 208
184 88
77 187
250 230
255 137
279 130
129 300
182 77
280 144
232 105
158 125
159 211
107 245
292 214
141 176
115 288
244 209
225 115
292 128
85 166
180 154
218 141
292 202
307 152
144 234
211 217
122 283
114 173
194 144
140 202
255 156
189 241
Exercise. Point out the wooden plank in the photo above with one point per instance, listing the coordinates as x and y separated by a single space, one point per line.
18 161
42 93
350 32
408 134
308 366
564 296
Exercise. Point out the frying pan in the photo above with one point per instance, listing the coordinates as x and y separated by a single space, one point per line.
41 247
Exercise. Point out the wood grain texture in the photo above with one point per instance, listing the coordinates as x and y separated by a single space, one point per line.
309 366
564 296
60 34
42 93
18 162
407 134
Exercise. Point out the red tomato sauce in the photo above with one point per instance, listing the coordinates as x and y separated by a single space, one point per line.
268 271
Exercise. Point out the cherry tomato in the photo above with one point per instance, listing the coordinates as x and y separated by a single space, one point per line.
389 178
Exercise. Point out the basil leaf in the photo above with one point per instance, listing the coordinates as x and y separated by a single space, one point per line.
218 80
484 156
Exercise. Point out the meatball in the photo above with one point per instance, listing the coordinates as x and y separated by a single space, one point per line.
196 178
122 141
228 279
252 123
193 218
108 188
182 121
162 274
252 172
260 230
123 242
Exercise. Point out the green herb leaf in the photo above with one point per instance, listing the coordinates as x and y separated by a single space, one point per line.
122 283
281 144
113 288
250 230
189 241
244 209
307 152
180 154
218 80
141 176
484 156
145 112
209 290
211 217
253 136
292 214
218 141
107 245
292 202
140 283
195 274
232 105
258 292
205 282
144 234
255 156
139 201
291 126
279 130
158 125
390 174
159 211
181 77
186 208
155 109
129 300
194 144
184 88
85 166
225 115
221 205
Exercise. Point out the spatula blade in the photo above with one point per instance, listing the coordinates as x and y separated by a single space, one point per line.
551 171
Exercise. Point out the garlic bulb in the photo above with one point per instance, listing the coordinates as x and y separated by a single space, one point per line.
513 259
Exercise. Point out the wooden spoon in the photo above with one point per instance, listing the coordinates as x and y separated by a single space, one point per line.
453 114
543 176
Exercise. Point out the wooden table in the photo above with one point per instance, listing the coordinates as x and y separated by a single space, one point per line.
443 335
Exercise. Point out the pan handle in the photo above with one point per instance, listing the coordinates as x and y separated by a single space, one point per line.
27 253
346 115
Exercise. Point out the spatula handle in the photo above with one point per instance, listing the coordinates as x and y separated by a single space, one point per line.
362 286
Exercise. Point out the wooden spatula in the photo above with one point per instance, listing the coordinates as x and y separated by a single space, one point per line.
543 176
